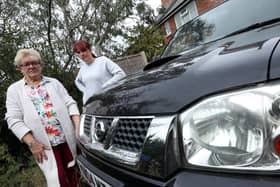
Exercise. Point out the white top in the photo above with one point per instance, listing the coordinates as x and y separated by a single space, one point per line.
95 77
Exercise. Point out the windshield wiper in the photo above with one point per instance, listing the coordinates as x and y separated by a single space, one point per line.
254 26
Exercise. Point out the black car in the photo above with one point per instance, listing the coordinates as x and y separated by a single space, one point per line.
207 113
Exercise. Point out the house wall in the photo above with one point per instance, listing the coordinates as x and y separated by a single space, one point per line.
172 27
201 5
166 3
204 5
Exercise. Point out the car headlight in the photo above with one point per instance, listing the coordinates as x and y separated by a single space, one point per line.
237 130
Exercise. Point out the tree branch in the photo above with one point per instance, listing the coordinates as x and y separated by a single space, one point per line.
49 29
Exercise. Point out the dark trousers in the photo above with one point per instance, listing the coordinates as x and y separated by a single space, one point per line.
68 177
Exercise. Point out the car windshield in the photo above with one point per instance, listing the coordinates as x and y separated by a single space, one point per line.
221 21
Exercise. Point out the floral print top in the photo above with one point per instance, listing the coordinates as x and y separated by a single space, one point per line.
41 100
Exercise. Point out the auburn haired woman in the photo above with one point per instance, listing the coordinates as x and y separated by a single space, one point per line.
96 73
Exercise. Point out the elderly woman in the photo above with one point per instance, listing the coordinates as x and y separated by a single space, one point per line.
96 73
43 115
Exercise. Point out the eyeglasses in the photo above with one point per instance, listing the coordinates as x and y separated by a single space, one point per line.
27 64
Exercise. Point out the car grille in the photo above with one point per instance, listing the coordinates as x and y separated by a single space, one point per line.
87 125
130 133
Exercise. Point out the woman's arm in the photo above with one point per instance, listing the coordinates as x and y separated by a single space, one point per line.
36 147
14 114
76 122
72 108
70 103
14 117
79 82
115 70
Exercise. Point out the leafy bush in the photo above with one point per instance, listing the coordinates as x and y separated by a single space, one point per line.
19 173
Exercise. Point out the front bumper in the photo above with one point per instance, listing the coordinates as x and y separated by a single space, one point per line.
106 174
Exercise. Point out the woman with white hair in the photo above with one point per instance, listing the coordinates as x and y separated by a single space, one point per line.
42 114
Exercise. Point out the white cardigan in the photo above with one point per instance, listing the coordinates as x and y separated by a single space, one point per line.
22 117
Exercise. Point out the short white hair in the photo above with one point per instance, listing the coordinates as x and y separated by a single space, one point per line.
22 53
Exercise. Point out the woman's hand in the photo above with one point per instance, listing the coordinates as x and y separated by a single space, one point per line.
36 147
38 151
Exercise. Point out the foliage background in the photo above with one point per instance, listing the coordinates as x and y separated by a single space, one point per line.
51 26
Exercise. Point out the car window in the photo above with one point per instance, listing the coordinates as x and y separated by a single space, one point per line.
231 16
